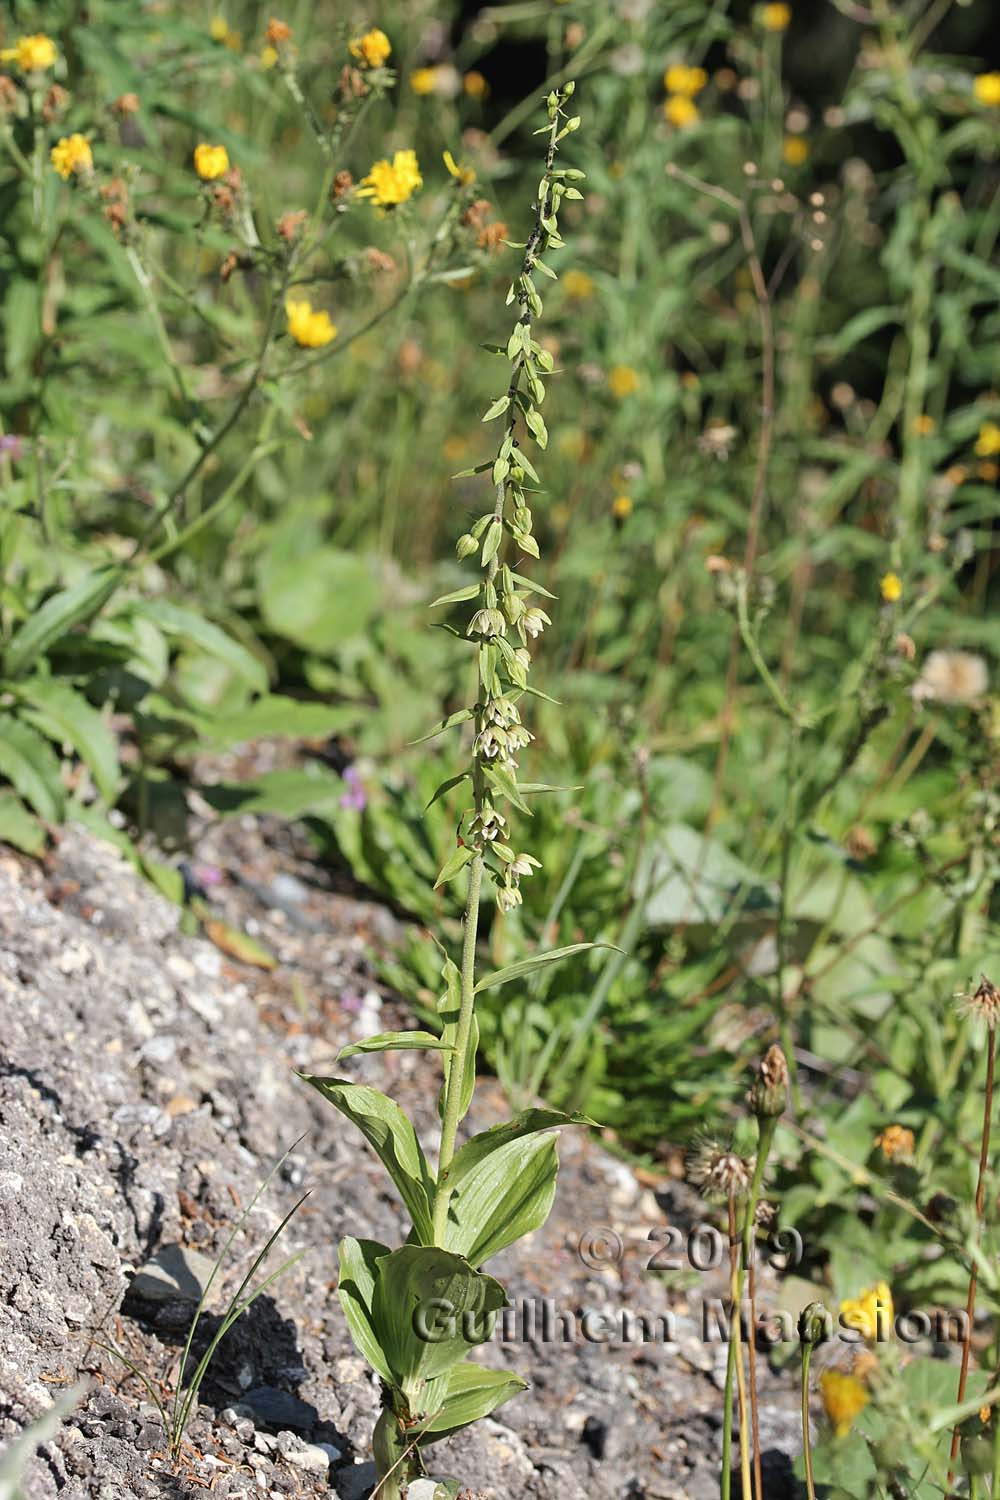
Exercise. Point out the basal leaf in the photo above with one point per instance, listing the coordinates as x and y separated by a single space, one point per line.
58 615
64 714
429 1308
29 763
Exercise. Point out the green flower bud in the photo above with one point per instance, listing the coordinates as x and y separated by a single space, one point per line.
815 1323
466 545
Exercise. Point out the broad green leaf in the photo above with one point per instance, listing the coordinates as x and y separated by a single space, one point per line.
274 716
498 408
538 961
359 1260
64 714
396 1041
429 1308
29 763
188 625
508 1195
470 1392
528 1122
18 826
454 865
389 1132
290 794
315 595
58 615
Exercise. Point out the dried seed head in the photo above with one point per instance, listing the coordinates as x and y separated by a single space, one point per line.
719 1173
342 183
769 1094
984 1004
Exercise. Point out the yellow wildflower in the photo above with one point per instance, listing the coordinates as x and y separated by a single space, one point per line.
268 57
308 328
71 155
623 380
621 507
775 17
32 54
475 85
988 441
986 87
392 182
891 587
988 471
219 29
923 425
895 1140
210 162
578 285
870 1314
795 150
680 110
464 176
424 80
844 1397
680 79
372 49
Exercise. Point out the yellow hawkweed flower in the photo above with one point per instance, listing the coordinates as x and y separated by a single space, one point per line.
923 425
268 57
775 17
424 80
219 29
578 285
795 150
621 507
680 79
464 176
988 441
308 328
210 162
372 49
986 87
870 1314
891 587
896 1140
680 110
392 182
844 1397
623 380
71 155
32 54
475 85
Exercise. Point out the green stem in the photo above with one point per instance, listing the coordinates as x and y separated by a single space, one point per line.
461 1061
806 1440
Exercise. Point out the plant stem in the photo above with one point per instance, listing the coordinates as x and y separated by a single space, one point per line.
806 1440
970 1305
766 1125
461 1061
736 1292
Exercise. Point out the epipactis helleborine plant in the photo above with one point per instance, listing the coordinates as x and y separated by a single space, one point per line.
416 1312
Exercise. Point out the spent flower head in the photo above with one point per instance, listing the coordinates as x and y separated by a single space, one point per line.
717 1171
983 1004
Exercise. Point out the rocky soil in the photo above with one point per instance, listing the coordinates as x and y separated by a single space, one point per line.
147 1086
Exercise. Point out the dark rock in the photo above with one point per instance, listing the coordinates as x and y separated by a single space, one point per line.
274 1408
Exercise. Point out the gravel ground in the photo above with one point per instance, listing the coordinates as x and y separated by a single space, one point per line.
147 1086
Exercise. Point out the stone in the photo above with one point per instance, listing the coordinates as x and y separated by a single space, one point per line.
280 1408
173 1273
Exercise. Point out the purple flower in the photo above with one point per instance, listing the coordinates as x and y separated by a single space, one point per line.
355 797
11 446
351 1002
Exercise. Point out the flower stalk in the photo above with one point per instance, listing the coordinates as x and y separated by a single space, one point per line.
502 622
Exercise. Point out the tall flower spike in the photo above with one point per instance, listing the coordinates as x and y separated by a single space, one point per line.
503 620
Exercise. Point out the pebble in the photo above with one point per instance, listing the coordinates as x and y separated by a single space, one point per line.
279 1408
174 1272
